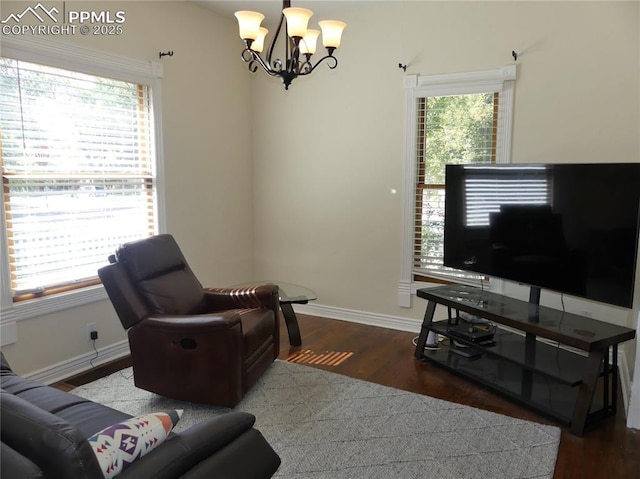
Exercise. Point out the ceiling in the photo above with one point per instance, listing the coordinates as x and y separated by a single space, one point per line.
322 9
228 7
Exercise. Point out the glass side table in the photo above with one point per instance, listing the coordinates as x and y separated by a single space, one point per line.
290 294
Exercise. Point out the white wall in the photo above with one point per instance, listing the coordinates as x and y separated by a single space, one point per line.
207 161
329 151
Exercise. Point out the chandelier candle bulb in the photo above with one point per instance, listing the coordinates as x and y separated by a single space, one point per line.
331 32
249 24
297 21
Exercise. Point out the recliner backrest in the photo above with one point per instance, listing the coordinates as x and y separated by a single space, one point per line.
161 276
130 307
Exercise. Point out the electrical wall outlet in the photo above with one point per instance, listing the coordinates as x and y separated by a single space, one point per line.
92 331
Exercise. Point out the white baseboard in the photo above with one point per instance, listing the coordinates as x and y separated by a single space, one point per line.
633 415
372 319
413 325
625 380
79 364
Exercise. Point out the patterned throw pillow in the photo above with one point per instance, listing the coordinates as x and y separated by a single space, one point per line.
117 446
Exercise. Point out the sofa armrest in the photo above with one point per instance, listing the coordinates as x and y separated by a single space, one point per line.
15 466
54 445
188 449
262 296
4 364
231 462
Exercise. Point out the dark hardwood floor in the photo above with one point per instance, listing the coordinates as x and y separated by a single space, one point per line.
385 356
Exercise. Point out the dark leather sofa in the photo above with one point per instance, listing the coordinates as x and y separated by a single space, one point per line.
44 434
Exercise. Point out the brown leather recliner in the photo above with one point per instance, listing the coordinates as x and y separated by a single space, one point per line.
189 343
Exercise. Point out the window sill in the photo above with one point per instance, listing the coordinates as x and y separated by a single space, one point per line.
57 302
421 278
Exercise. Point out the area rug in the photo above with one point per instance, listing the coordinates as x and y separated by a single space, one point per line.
326 425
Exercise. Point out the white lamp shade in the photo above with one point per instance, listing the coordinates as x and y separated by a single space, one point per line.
249 24
258 43
297 21
308 43
331 32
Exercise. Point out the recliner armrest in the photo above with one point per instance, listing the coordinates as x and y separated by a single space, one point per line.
193 323
262 296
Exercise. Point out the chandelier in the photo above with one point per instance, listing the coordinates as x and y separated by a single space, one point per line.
300 42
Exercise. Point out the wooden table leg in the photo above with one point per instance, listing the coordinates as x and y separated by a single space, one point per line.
586 391
291 321
424 331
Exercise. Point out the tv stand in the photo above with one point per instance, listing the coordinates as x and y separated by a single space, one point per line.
550 379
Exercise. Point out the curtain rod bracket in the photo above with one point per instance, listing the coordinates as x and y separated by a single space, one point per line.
165 54
404 67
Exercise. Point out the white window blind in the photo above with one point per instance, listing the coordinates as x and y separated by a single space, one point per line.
77 156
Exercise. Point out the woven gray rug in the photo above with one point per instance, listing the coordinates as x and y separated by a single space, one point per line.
325 425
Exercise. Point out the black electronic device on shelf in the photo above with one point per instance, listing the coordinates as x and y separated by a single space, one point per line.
470 332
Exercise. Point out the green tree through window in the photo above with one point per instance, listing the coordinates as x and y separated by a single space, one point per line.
451 129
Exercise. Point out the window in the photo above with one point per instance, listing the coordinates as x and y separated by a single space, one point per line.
451 129
459 118
77 172
80 158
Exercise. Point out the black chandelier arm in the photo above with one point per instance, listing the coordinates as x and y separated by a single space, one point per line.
293 69
247 56
332 64
293 60
252 66
254 59
275 39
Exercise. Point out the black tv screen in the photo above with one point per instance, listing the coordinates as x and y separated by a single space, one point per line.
570 228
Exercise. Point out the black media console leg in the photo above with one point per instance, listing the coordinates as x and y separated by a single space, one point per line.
586 391
424 331
291 321
614 380
530 358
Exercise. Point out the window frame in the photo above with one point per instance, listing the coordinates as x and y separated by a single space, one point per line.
501 80
50 52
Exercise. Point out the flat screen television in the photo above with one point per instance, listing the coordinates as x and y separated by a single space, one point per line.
570 228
